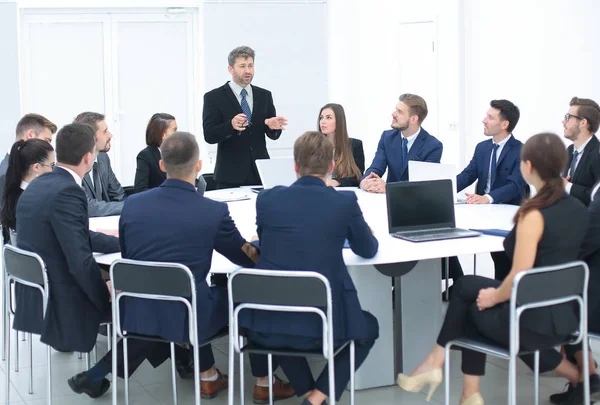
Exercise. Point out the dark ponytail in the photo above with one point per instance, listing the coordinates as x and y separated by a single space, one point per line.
23 155
548 157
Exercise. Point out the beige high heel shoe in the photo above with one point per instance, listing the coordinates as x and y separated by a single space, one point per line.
415 383
474 399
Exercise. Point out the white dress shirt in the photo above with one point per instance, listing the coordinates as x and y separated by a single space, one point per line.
411 139
24 184
75 175
580 150
488 184
237 90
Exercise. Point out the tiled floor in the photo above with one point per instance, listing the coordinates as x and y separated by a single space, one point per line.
152 387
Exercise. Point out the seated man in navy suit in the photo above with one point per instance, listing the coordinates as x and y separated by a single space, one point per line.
407 140
303 227
496 168
173 223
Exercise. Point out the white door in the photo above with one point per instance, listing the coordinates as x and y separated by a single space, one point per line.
417 69
126 65
153 72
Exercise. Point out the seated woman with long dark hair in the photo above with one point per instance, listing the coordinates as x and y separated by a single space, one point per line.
349 155
549 229
27 160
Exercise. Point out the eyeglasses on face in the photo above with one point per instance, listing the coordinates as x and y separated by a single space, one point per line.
569 116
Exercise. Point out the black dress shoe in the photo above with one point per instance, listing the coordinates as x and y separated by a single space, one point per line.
574 395
185 368
81 384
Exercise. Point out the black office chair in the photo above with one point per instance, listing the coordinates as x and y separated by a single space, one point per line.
569 283
211 184
282 291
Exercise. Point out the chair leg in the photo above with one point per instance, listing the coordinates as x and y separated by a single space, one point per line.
475 264
352 370
447 376
173 376
446 263
125 371
79 356
23 336
241 372
7 340
109 335
95 351
196 353
586 365
270 365
87 361
331 369
231 386
512 381
16 351
115 379
49 376
536 377
4 314
30 344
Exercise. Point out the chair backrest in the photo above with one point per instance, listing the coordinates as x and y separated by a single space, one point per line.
211 184
23 266
275 287
550 284
152 278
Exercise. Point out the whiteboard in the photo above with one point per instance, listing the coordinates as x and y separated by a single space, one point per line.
290 41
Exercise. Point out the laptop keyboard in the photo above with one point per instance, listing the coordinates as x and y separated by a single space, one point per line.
434 234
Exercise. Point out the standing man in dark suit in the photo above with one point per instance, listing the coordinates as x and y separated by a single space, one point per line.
237 116
407 140
289 241
30 126
104 192
496 168
583 167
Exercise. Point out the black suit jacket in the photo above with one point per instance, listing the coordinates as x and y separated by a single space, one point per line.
110 202
147 173
52 221
236 152
590 252
358 154
587 173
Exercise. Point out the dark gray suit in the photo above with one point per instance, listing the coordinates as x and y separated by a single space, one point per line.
109 200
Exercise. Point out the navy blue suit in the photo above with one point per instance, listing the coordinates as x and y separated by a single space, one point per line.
173 223
509 186
425 148
52 221
303 227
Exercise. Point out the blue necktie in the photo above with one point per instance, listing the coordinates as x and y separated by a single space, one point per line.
404 151
493 166
245 106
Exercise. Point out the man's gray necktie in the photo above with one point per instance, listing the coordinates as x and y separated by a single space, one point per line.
573 164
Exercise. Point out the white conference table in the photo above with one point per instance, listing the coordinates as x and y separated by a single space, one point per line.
400 285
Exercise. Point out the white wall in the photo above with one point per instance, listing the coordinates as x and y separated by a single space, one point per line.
363 41
536 53
10 109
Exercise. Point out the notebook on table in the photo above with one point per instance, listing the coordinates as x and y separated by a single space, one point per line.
422 211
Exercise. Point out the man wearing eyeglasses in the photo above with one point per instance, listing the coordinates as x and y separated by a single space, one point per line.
583 169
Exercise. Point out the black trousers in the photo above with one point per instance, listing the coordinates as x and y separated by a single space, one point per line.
464 319
502 266
298 370
156 353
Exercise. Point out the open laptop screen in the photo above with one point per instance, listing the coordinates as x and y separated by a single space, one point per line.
420 205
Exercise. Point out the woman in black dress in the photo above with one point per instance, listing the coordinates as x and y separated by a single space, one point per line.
479 307
349 155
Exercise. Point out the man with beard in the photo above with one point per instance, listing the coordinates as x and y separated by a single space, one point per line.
583 167
104 192
237 116
407 140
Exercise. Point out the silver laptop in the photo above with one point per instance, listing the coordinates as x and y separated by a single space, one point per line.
276 172
423 211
